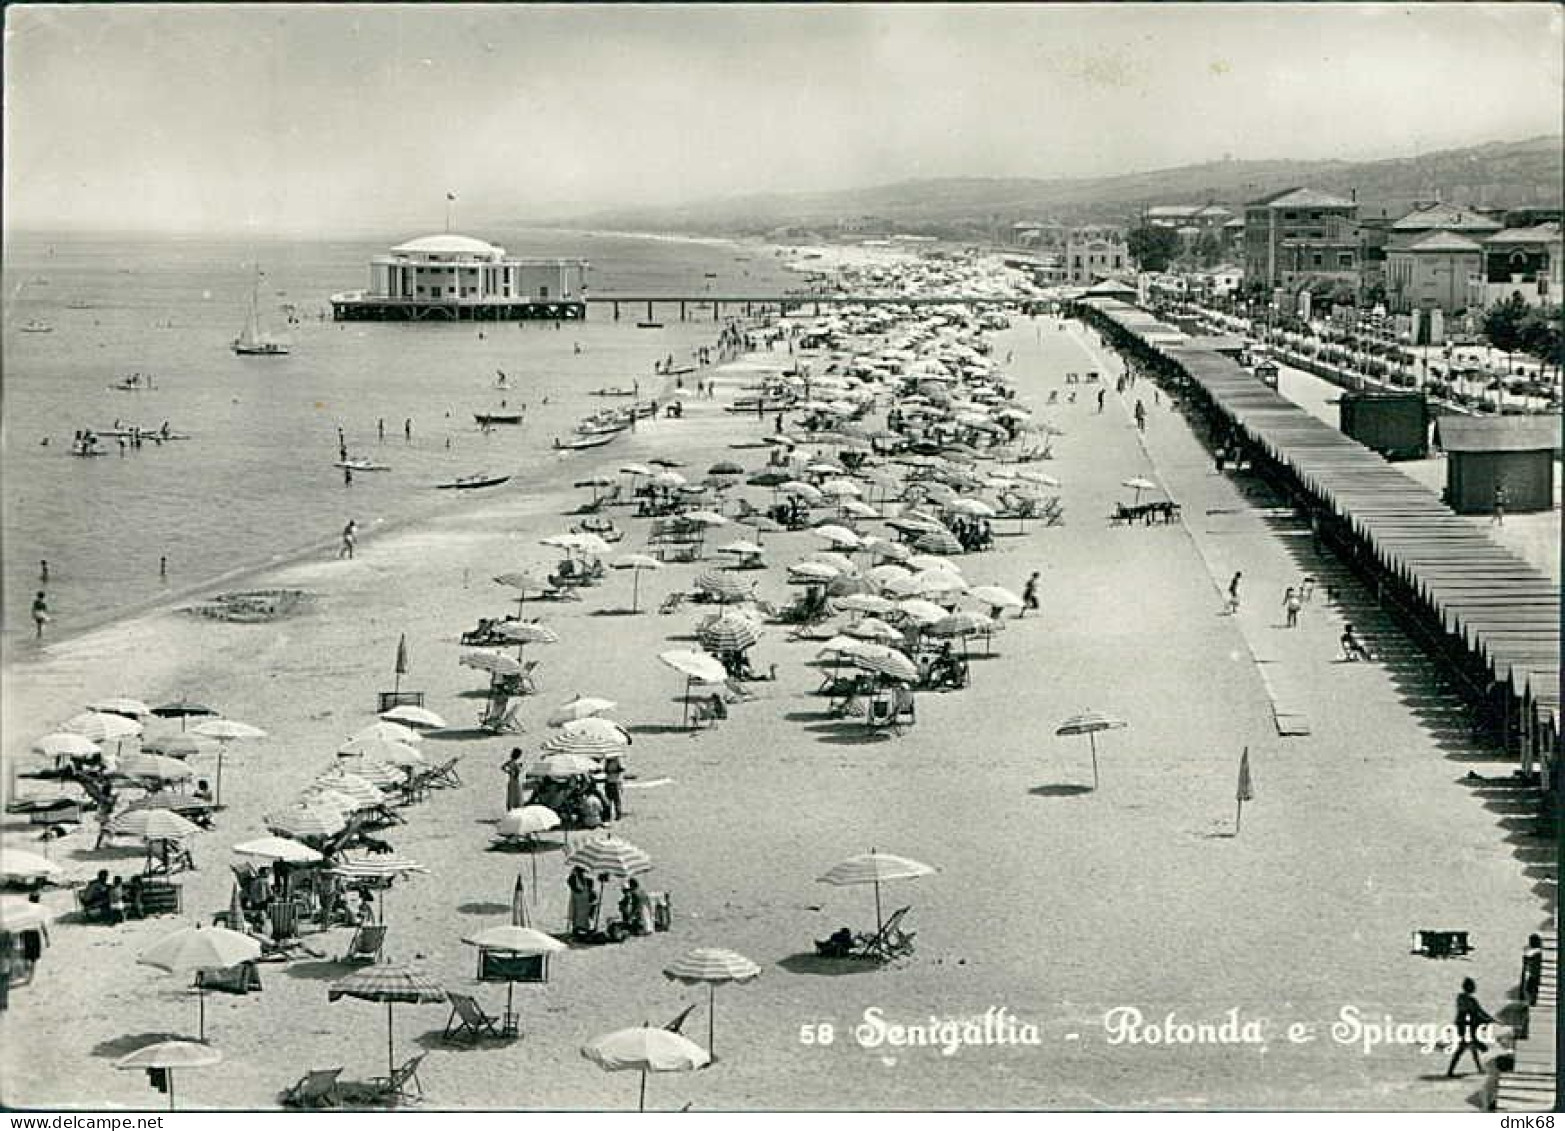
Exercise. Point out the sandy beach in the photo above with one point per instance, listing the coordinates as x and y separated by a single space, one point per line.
1058 904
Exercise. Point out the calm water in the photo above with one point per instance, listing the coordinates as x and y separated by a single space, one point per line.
256 480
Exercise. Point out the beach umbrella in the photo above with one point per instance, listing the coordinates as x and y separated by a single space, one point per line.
1043 478
183 746
166 1056
725 467
119 705
867 603
19 864
636 563
976 508
66 744
1139 485
885 661
562 766
839 562
706 518
797 488
743 548
581 707
182 709
635 469
771 478
609 855
279 848
713 966
645 1050
363 794
873 628
225 731
725 585
837 535
889 571
1090 723
517 939
938 542
389 982
811 572
152 824
378 773
153 767
729 633
860 509
523 582
390 732
305 822
413 716
181 803
523 633
840 488
996 597
875 868
695 667
379 871
200 948
848 585
100 726
932 561
398 754
589 738
964 623
529 820
491 662
399 666
18 914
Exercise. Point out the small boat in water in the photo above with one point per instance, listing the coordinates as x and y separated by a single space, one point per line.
251 342
36 327
613 391
471 482
680 370
361 465
498 417
649 325
593 441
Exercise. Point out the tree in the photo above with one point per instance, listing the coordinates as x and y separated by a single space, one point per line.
1208 249
1540 333
1503 324
1153 248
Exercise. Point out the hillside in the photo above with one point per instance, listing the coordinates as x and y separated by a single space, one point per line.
1496 174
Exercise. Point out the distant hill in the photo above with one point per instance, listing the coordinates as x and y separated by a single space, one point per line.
1511 173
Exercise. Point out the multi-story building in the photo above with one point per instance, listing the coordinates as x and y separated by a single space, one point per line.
1432 272
1200 217
457 278
1524 261
1300 236
1096 253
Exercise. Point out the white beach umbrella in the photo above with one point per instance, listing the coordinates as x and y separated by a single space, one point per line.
414 716
19 864
101 726
279 848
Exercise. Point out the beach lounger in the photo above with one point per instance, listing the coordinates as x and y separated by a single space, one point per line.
888 943
317 1088
468 1021
366 944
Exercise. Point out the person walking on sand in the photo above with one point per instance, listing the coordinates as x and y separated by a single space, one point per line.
1141 415
1499 505
1029 595
614 787
1532 969
1233 592
1292 603
1101 393
1470 1018
40 614
350 534
513 779
407 429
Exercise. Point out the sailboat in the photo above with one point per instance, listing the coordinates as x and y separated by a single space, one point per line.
250 340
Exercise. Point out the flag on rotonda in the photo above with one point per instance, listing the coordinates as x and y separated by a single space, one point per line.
1246 786
402 654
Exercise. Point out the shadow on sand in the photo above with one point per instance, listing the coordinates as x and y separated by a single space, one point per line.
810 963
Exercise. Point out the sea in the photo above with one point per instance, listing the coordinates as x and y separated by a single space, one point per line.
255 483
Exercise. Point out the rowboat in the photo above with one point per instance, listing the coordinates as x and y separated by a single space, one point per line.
498 417
649 325
469 482
361 465
616 391
580 442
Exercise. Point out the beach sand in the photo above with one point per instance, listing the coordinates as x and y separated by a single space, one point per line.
1057 903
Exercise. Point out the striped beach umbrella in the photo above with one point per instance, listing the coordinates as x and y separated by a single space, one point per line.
360 792
527 632
389 982
1091 724
921 611
305 822
610 856
588 738
378 773
937 542
809 572
886 661
725 585
152 824
867 603
713 966
958 624
398 754
562 766
873 628
875 868
839 562
729 633
181 803
491 662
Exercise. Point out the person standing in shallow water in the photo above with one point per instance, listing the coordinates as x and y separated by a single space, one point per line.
40 614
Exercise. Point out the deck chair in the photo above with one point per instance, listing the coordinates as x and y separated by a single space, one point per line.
881 713
888 943
468 1021
366 944
444 776
677 1023
500 718
671 602
393 1087
317 1088
905 712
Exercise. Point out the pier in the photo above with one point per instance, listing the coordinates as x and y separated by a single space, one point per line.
712 306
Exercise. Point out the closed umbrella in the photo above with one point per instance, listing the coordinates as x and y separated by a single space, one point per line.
645 1050
636 563
1091 723
389 982
875 868
200 948
399 666
166 1056
713 966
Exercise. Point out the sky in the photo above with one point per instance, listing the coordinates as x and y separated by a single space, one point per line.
261 118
